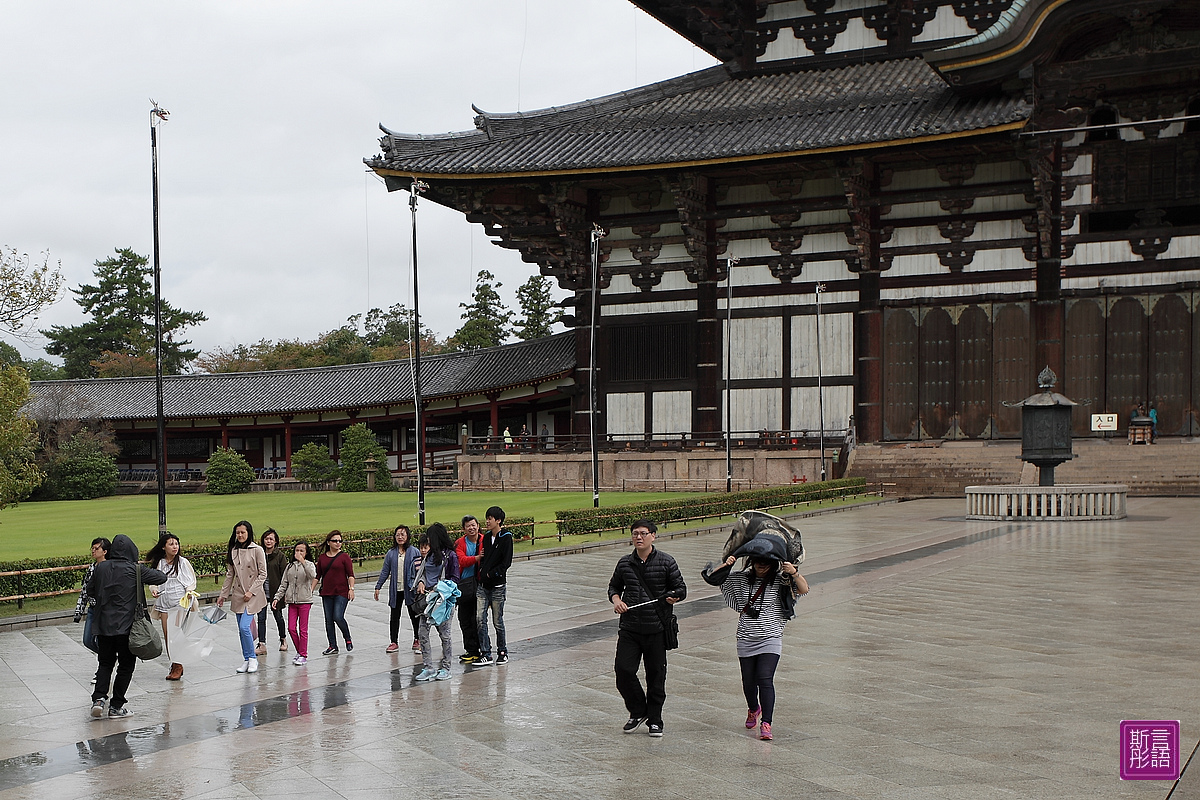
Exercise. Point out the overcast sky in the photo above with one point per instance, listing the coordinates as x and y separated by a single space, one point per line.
269 223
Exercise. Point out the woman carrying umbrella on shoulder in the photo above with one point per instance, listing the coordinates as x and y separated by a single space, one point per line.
761 594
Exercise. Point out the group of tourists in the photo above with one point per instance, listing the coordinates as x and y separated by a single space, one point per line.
425 581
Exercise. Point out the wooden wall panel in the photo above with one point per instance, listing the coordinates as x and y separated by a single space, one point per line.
1170 363
936 372
672 412
1085 363
1126 357
899 374
1012 377
626 412
974 371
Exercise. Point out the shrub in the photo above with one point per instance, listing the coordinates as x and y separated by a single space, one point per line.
312 464
590 520
82 469
358 445
228 472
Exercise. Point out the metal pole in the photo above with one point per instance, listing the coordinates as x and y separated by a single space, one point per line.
729 369
820 287
597 234
156 115
414 192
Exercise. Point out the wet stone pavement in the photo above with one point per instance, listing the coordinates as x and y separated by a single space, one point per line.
934 658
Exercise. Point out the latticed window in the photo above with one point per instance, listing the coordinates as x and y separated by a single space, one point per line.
660 351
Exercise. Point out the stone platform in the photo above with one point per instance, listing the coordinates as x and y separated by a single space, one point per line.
1066 502
935 658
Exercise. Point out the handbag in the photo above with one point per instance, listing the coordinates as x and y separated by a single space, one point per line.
669 621
145 641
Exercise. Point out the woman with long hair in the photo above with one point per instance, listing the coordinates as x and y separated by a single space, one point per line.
336 572
296 587
277 560
758 593
245 579
181 579
438 561
394 572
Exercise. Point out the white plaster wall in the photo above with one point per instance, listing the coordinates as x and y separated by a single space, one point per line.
934 293
945 25
754 409
839 405
757 347
1133 279
837 345
626 412
672 412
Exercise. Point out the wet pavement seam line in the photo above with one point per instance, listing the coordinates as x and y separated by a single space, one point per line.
113 748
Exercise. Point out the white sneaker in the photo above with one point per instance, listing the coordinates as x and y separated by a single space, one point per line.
301 661
252 665
296 661
245 667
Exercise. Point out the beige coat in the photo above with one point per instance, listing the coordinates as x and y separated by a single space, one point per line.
296 586
248 573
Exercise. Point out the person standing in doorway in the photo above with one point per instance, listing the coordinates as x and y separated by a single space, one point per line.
336 572
114 586
491 579
467 550
245 583
647 577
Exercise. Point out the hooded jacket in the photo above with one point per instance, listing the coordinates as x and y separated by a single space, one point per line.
113 584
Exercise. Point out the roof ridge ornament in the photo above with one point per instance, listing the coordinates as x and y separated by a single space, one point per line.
483 122
1047 379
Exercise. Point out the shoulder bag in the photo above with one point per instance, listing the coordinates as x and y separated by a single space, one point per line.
145 641
669 621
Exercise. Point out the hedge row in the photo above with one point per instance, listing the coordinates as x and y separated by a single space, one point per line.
591 520
361 545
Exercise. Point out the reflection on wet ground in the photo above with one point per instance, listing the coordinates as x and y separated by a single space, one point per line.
934 658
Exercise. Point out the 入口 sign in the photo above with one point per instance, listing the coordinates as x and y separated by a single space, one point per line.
1104 422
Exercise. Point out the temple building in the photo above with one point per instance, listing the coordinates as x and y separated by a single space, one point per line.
977 189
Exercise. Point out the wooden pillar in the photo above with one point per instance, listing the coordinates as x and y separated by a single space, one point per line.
225 433
287 446
494 408
1048 309
868 350
707 417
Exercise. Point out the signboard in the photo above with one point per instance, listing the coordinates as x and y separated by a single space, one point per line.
1104 422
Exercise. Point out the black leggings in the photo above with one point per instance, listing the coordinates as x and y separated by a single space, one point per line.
262 623
758 682
397 614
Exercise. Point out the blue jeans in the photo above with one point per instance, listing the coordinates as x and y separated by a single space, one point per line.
493 599
89 633
243 621
335 612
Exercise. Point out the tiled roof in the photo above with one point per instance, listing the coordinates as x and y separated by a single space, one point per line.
711 115
381 383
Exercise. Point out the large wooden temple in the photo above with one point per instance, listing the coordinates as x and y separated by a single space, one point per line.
980 188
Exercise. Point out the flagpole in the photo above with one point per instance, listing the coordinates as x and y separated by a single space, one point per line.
157 116
598 233
415 190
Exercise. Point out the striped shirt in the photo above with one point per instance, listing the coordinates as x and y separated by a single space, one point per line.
769 623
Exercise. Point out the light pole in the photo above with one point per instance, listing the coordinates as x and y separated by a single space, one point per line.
415 190
598 233
728 370
157 117
818 289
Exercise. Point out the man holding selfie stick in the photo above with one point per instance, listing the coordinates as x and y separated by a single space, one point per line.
644 586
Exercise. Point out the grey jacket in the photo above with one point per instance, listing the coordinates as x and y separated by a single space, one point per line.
295 585
113 585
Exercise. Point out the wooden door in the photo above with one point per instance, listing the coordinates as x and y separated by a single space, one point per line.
1012 377
1084 362
899 374
1126 362
936 372
974 367
1170 364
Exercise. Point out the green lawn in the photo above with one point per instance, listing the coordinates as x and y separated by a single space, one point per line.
66 527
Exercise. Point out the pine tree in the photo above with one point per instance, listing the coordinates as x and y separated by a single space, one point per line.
486 317
537 308
121 328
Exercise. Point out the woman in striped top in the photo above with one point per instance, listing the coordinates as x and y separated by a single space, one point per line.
758 593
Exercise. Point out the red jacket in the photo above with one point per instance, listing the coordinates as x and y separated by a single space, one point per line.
465 561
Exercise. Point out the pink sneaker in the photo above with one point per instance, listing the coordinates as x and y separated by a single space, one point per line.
765 732
752 717
393 647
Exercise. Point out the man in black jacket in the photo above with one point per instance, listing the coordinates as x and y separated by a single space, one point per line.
491 588
647 574
114 585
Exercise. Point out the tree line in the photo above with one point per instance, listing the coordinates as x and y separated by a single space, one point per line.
117 340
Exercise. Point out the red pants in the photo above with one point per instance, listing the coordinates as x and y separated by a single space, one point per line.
298 626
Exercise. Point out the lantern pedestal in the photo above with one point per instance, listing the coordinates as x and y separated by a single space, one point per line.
1066 502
